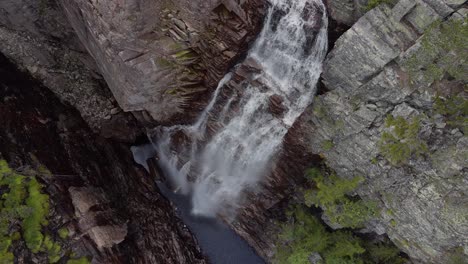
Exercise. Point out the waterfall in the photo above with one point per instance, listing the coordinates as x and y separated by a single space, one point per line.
217 170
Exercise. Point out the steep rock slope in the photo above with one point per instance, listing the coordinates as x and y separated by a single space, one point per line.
163 57
346 11
39 39
112 208
415 166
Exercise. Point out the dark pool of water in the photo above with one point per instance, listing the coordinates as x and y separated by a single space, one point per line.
218 242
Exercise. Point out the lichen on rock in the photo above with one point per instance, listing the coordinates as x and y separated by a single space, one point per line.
371 75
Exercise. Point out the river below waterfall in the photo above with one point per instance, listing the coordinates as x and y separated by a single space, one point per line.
218 242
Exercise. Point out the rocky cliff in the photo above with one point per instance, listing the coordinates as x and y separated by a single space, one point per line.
382 69
111 209
404 62
164 57
392 109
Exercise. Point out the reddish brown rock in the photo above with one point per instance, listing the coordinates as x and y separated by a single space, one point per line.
160 57
276 106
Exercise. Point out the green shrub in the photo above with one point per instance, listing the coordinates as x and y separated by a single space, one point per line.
454 109
331 195
401 142
304 235
383 254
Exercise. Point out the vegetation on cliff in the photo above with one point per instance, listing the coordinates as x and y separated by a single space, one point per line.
304 236
331 193
442 52
24 211
455 111
374 3
401 140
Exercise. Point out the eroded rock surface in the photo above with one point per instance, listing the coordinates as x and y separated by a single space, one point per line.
112 208
346 11
38 38
164 57
423 200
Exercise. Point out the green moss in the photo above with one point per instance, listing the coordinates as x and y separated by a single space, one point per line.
393 223
10 207
82 260
186 54
173 91
4 169
63 233
40 209
443 51
401 141
24 204
164 63
334 124
5 255
319 110
15 236
390 212
53 249
327 145
457 257
374 3
331 194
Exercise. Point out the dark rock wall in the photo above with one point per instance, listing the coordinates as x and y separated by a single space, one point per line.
113 206
38 38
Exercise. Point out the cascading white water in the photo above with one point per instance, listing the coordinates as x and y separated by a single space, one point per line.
290 50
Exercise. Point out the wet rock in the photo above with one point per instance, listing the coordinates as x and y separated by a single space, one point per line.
275 105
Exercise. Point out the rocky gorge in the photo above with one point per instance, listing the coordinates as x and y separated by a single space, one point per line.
98 76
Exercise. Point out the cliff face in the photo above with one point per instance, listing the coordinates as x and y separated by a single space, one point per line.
164 57
38 38
160 59
112 209
380 67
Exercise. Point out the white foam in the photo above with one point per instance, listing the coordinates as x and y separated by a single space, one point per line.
237 157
